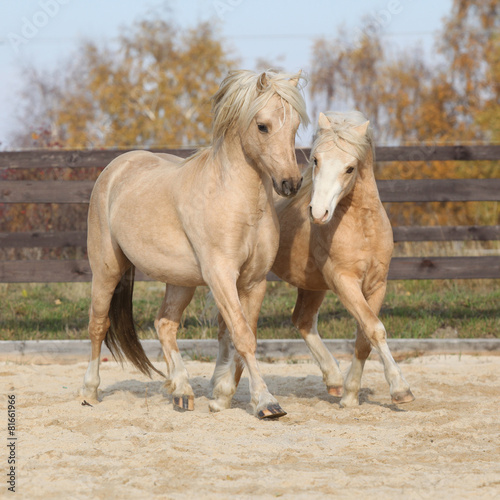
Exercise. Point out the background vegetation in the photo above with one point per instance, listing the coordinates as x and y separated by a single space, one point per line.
412 309
146 92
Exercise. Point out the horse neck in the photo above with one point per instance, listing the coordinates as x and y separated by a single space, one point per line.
237 170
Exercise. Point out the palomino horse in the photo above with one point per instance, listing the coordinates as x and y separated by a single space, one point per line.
208 220
335 235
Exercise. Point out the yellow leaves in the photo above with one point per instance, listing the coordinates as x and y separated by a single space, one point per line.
153 90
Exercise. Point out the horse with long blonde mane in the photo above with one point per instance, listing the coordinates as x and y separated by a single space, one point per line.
208 220
335 235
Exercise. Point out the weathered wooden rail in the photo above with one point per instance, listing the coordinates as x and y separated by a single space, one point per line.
425 190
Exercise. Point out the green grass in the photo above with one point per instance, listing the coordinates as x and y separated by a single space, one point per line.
412 309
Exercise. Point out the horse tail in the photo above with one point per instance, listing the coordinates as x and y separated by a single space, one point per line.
121 338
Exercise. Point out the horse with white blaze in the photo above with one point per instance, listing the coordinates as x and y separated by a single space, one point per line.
335 235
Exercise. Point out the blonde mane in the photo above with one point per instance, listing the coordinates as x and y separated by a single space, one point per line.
342 134
242 94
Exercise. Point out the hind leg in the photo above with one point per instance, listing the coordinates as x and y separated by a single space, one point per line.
103 287
352 383
167 323
228 370
305 318
223 380
371 333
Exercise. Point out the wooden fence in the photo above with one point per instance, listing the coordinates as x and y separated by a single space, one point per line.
390 191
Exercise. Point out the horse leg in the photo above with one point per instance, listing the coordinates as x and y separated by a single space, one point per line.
305 318
103 287
224 381
167 321
369 324
229 368
352 383
242 328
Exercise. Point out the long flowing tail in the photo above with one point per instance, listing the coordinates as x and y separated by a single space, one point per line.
122 339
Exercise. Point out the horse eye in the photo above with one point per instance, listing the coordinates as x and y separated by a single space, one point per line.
262 128
315 161
350 170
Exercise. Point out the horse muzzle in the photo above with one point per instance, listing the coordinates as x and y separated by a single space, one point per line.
287 187
318 220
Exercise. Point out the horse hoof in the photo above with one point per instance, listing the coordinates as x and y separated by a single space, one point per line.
335 390
272 411
183 403
403 397
217 405
88 395
349 401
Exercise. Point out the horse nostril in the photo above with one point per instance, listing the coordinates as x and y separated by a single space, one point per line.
285 187
300 183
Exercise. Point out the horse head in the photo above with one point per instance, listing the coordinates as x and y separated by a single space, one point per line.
337 154
266 110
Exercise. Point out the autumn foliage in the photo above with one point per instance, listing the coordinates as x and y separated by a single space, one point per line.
410 101
152 88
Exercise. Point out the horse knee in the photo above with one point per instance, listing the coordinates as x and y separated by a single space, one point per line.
245 345
377 334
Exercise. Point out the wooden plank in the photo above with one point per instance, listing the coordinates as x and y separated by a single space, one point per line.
446 233
46 158
421 268
424 152
423 190
45 271
64 239
40 239
402 268
45 191
49 271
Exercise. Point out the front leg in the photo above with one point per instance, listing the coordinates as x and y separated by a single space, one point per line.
305 318
241 316
365 312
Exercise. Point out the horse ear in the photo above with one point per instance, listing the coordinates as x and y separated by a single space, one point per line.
262 82
295 80
323 121
361 129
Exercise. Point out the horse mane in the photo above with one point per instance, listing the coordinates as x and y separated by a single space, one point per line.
342 134
242 94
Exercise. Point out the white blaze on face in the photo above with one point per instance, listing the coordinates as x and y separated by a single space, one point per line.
327 188
333 177
334 172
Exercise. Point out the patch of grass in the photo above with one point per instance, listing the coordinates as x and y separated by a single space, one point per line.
412 309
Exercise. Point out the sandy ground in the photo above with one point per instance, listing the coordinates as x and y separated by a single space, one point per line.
445 444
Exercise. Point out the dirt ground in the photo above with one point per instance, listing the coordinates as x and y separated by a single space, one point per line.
446 444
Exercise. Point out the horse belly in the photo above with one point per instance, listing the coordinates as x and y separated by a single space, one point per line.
169 259
301 274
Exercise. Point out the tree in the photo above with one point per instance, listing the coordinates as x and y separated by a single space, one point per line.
410 101
154 89
344 74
